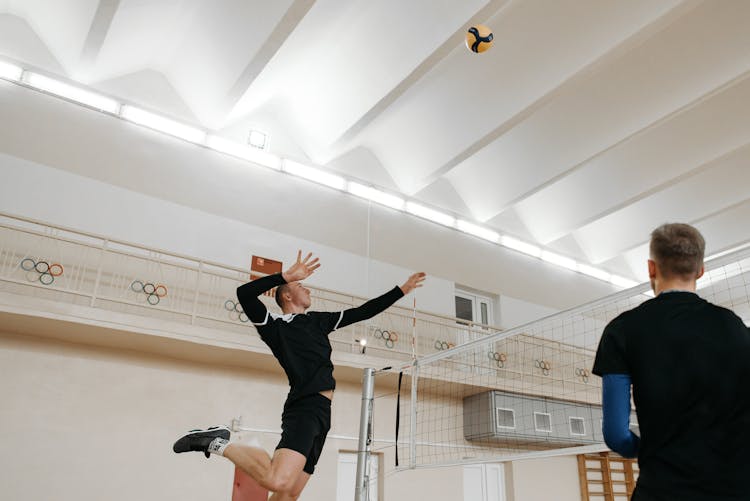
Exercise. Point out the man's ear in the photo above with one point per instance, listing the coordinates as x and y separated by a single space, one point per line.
701 272
651 269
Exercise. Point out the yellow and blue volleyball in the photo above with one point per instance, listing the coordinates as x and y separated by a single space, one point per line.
479 38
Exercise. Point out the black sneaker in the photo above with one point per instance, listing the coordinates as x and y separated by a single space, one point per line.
199 440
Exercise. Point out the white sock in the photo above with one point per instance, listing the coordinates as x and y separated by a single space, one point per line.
217 446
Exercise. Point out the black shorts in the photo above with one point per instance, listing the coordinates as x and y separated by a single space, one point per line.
304 426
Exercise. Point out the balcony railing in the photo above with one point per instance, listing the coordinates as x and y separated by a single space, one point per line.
39 260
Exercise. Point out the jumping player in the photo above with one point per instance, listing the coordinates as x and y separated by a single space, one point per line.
689 364
299 341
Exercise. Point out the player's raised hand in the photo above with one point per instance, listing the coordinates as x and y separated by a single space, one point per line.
302 268
413 282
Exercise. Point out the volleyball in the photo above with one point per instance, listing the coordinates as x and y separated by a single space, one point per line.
479 38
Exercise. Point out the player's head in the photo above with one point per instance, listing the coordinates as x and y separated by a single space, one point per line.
292 294
676 253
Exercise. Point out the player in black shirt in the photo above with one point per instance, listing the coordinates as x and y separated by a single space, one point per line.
299 341
689 364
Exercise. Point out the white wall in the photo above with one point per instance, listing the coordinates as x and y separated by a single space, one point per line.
81 422
546 479
515 312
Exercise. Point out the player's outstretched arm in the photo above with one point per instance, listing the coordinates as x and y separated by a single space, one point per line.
381 303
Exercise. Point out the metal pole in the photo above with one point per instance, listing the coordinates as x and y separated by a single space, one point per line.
413 424
365 435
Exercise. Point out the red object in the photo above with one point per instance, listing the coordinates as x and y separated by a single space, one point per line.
265 266
247 489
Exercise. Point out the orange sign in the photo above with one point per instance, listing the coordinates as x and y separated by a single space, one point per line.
266 267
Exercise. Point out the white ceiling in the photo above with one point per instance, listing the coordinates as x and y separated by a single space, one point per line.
587 124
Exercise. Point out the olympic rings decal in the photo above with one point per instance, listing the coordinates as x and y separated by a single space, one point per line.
583 374
499 358
544 365
390 337
153 292
235 311
41 270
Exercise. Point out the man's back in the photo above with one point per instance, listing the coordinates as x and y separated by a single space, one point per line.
689 361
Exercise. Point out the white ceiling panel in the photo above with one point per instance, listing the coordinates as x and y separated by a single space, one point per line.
651 160
701 51
715 188
538 46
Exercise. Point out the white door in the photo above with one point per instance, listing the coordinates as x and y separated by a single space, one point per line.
484 482
478 309
347 477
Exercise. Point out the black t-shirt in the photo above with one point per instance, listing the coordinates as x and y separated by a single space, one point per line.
300 344
689 361
299 341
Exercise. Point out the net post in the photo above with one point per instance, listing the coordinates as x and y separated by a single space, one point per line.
413 424
365 436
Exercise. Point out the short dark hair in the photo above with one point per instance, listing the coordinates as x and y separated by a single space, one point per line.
281 289
677 249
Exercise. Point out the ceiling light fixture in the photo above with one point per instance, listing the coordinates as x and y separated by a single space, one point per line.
162 124
478 231
430 214
258 139
376 195
313 174
10 71
594 272
238 150
622 281
557 259
71 92
518 245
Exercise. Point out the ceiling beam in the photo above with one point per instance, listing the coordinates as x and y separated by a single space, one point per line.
294 15
584 73
100 24
492 9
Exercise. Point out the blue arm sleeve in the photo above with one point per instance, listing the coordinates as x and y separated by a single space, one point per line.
616 419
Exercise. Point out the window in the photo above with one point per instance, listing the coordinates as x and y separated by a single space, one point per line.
473 307
577 426
506 418
543 422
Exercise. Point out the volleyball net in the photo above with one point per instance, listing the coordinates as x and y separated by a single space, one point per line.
528 391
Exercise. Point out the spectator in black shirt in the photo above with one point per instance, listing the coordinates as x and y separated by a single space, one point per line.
689 364
299 341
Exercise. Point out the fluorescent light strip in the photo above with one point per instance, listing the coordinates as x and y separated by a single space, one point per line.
239 150
253 154
71 92
478 231
162 124
375 195
517 245
622 281
10 71
594 272
430 214
313 174
557 259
